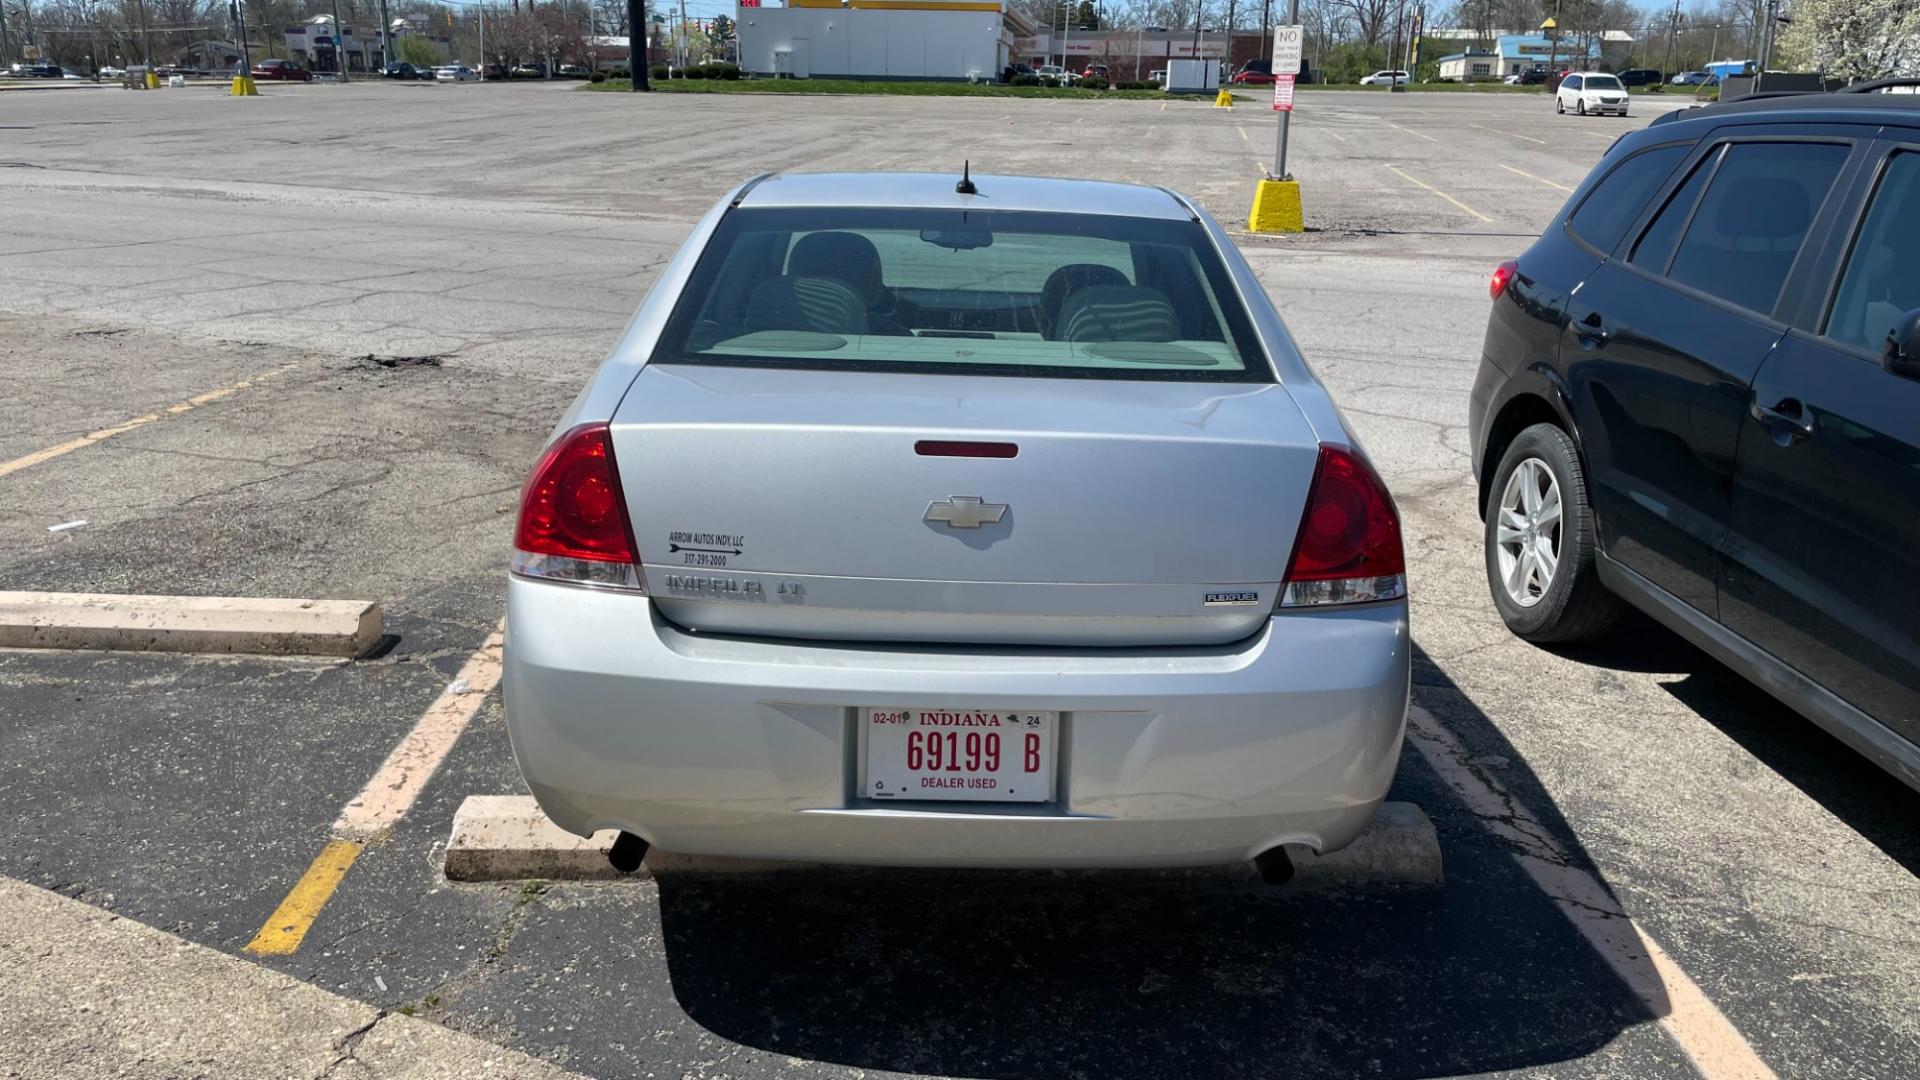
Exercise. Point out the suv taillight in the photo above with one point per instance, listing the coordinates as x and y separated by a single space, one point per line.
1502 277
573 518
1348 548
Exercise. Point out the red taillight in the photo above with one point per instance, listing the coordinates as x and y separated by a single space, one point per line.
573 518
1348 548
1502 277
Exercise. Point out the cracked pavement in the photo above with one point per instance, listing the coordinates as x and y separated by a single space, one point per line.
510 231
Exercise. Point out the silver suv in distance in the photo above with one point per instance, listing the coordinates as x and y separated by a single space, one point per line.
991 524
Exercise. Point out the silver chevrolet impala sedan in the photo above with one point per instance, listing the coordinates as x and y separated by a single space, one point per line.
978 521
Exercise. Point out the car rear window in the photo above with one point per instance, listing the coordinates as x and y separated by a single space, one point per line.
964 292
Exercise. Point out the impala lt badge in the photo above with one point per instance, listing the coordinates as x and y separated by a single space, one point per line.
964 512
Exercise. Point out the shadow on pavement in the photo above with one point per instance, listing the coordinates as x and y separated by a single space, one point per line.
1120 976
1851 787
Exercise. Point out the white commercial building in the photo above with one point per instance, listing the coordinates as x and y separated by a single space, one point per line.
880 39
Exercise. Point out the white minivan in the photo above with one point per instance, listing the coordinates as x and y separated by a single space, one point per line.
1384 78
1587 92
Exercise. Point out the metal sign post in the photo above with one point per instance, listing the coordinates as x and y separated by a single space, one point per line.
1287 41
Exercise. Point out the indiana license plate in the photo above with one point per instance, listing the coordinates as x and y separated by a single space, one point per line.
988 755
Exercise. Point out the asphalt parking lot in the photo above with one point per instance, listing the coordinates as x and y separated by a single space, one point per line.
411 281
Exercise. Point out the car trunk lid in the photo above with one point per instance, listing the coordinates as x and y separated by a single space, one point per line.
803 503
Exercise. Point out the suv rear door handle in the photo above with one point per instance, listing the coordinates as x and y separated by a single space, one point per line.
1591 330
1787 421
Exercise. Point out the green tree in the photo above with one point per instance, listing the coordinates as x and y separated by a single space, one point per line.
1087 18
416 51
722 29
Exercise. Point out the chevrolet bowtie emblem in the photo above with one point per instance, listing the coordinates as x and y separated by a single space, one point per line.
964 512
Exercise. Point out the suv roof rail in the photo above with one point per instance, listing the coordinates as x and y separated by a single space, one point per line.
1877 85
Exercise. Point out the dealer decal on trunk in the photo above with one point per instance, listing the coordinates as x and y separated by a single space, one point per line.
704 548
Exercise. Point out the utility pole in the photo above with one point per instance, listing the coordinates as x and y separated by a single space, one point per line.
146 38
386 36
1393 53
637 58
1673 35
1230 7
339 43
6 43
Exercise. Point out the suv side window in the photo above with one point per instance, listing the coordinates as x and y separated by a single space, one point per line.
1881 281
1742 241
1616 200
1654 250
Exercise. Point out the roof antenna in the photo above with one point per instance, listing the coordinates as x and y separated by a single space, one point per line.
965 186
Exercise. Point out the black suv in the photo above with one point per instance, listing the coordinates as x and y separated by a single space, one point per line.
1700 395
1640 77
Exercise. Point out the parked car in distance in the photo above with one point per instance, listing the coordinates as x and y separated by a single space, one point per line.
1056 73
1690 78
572 71
1157 76
111 72
1640 77
1014 71
494 71
42 71
535 70
400 70
1591 92
704 657
1383 78
1095 71
285 70
454 73
1254 73
1739 465
1535 76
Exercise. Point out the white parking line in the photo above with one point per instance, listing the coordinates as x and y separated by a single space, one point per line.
384 801
1410 131
1422 183
1514 134
1693 1021
1530 176
388 796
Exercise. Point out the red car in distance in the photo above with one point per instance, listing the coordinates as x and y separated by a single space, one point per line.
284 70
1255 73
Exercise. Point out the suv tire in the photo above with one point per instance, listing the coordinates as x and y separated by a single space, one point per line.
1540 563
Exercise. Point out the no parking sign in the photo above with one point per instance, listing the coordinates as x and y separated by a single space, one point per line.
1286 64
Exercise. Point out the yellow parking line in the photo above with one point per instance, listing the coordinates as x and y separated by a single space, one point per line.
384 800
1514 134
288 924
1442 194
1410 131
92 437
1530 176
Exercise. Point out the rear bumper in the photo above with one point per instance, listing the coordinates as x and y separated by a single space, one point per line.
746 748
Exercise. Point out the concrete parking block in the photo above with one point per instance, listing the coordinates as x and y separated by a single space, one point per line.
204 624
507 838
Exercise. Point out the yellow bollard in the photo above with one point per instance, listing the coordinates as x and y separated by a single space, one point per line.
1224 99
1276 208
153 81
243 86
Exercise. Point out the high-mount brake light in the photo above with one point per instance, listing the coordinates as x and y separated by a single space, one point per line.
573 518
